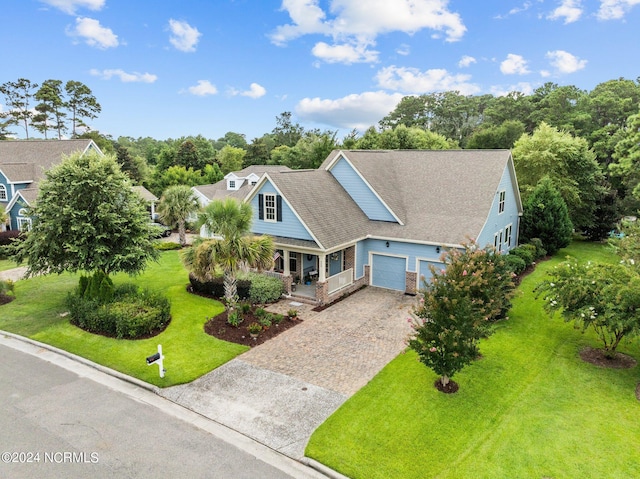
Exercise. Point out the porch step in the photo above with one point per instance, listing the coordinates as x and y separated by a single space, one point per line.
302 299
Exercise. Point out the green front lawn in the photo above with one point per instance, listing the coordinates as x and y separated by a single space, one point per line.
529 409
189 352
5 264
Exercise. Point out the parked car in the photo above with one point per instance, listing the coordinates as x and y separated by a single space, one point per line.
159 230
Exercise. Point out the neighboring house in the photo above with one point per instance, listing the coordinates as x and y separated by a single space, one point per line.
381 218
22 166
149 198
236 184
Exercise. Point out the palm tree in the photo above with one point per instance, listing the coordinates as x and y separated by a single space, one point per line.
176 205
234 251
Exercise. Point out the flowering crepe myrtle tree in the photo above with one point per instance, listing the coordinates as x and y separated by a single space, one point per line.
455 307
603 297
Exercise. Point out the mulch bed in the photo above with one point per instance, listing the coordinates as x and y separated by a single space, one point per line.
596 357
5 298
218 327
450 388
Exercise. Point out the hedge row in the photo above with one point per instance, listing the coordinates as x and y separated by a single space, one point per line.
252 287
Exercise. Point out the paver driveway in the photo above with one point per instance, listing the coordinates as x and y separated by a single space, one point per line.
278 393
342 347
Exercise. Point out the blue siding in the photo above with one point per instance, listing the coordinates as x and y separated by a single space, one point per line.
496 221
424 270
364 197
289 227
412 251
13 213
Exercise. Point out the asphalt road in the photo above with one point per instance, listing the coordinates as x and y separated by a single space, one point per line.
56 422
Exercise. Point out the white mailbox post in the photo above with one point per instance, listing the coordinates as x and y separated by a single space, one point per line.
157 358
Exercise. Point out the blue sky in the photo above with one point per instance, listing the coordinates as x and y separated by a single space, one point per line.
167 68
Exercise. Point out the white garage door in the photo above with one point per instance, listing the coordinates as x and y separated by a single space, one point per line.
388 271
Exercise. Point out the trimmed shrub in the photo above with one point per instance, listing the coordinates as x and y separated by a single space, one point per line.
98 287
215 287
7 237
526 254
132 315
166 245
515 263
265 289
540 251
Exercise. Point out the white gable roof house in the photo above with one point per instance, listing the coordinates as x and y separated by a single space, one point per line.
379 217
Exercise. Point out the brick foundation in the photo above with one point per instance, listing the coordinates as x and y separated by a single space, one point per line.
411 282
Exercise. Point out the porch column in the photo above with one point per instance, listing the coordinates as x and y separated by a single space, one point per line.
285 258
322 266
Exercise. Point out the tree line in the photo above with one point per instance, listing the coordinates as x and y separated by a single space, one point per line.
47 107
584 142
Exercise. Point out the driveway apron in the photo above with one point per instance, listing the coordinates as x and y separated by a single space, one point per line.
279 392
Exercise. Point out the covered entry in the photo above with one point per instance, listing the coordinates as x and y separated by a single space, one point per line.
388 271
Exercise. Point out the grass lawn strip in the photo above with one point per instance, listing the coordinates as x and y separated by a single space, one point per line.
529 409
5 264
189 352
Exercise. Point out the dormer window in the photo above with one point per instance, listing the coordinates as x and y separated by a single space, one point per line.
232 184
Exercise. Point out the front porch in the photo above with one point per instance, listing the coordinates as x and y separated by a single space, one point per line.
318 278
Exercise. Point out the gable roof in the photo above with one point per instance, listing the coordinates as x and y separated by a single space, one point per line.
219 191
144 193
24 161
441 196
326 210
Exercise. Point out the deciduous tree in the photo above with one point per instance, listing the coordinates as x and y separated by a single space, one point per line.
87 218
603 297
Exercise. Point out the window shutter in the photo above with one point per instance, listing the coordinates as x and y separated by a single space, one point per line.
260 207
279 208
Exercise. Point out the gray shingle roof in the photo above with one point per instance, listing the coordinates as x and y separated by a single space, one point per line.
24 160
441 196
323 205
218 191
144 193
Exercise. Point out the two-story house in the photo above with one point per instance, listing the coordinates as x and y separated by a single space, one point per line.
381 218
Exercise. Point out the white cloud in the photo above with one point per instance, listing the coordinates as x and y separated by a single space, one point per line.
514 11
70 6
358 111
124 76
344 53
523 87
355 24
412 80
203 88
94 34
184 37
403 50
466 61
255 91
514 65
570 10
565 62
615 9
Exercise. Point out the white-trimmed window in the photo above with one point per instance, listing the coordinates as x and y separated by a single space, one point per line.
501 200
3 193
507 235
24 222
270 207
232 184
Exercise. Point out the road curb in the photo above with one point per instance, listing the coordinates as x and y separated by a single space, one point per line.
86 362
321 468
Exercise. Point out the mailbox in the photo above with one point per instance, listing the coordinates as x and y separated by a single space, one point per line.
153 358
